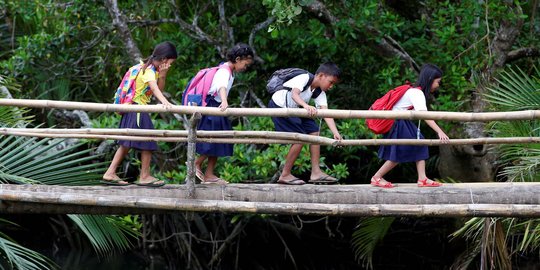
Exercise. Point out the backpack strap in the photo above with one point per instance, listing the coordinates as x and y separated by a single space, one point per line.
223 66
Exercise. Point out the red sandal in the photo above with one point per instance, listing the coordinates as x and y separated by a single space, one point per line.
425 183
377 183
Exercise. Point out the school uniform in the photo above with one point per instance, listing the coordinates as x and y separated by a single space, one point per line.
283 99
406 129
140 120
222 78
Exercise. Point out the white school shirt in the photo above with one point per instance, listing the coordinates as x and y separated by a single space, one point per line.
413 97
222 78
283 98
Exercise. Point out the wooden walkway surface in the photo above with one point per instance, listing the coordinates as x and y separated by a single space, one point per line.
450 200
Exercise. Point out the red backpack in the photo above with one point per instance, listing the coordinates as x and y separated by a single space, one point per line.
198 87
386 103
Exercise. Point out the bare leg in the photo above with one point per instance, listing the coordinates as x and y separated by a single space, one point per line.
315 154
422 177
385 168
421 169
209 174
199 161
145 176
294 151
110 174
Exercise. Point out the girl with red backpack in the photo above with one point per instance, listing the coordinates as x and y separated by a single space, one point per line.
149 80
428 82
239 58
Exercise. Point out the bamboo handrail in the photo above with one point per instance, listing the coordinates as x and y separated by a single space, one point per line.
249 137
284 112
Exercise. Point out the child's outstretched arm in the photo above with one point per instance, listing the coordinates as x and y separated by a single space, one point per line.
295 95
436 128
157 93
332 125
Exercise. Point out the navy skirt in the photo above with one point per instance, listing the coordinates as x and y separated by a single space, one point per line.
293 124
136 120
403 129
211 122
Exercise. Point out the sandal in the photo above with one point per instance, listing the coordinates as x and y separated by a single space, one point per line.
153 183
377 183
119 182
199 174
296 181
431 183
215 181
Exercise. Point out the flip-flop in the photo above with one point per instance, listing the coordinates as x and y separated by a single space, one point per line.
150 184
199 174
324 180
215 181
115 182
296 181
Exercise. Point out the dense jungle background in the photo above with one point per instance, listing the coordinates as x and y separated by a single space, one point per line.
78 51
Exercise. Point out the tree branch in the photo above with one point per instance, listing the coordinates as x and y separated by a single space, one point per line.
387 45
258 27
522 53
227 31
123 30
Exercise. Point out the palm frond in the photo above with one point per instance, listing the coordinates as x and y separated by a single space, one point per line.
19 257
31 160
368 234
106 233
515 90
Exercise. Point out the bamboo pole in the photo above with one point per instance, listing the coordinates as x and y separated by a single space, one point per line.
192 139
131 204
266 137
283 112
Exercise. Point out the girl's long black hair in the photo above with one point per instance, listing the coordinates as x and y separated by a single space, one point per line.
162 51
428 74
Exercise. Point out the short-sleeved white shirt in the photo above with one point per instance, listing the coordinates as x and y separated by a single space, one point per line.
283 98
413 97
222 78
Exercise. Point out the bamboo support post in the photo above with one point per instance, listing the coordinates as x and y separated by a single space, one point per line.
192 139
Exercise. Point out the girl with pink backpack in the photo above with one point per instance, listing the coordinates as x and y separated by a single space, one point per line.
239 58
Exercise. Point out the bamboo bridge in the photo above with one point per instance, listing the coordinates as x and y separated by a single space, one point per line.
450 200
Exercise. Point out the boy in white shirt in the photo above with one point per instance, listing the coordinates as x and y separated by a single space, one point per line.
299 95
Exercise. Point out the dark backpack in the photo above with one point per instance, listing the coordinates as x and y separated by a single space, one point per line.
386 103
279 77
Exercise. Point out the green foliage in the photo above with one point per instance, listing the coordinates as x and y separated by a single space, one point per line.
368 234
516 90
108 233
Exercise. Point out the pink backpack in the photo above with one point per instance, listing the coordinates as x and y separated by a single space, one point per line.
198 87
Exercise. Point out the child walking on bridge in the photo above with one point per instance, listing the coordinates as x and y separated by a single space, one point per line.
416 97
296 92
150 80
239 58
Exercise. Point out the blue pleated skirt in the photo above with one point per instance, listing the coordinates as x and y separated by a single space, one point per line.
403 129
293 124
129 120
211 122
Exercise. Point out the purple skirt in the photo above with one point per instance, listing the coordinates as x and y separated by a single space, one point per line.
403 129
129 120
211 122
